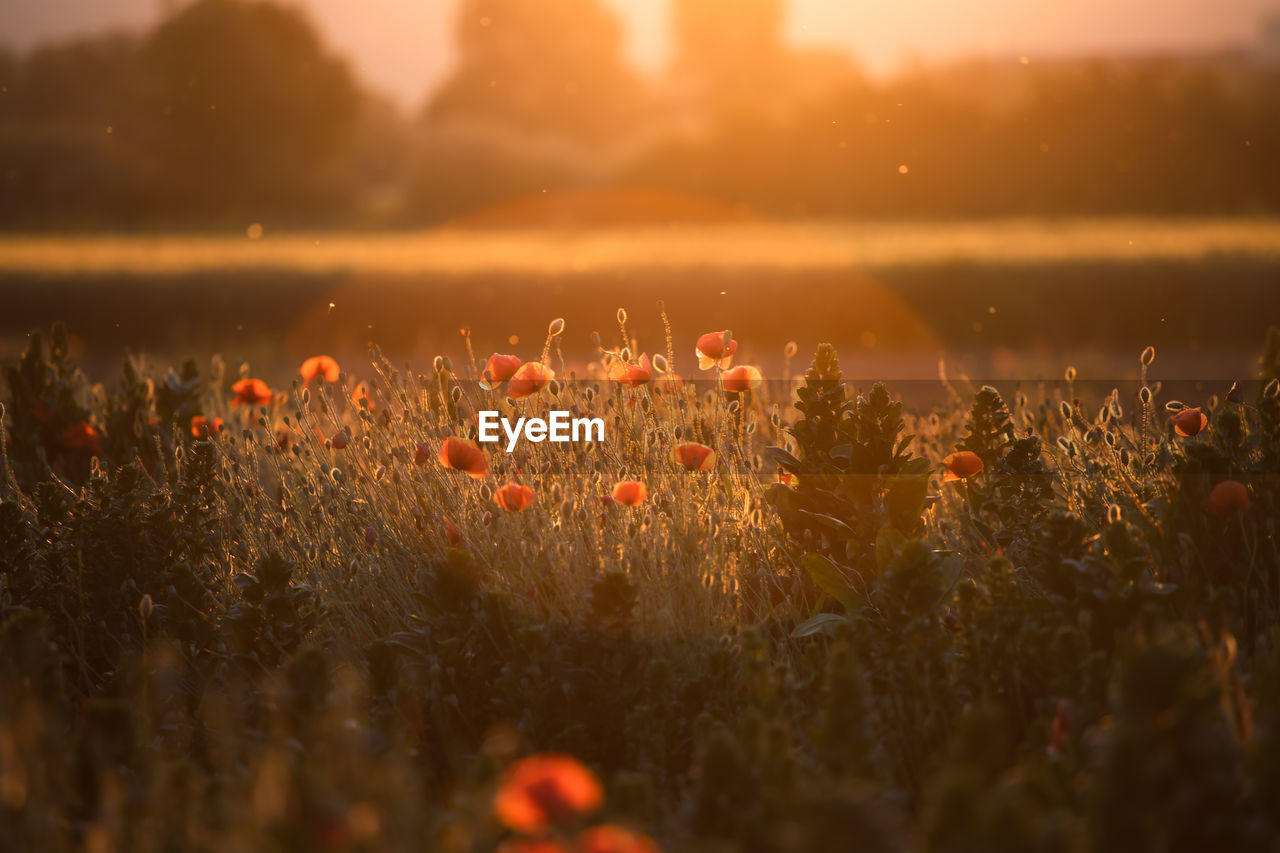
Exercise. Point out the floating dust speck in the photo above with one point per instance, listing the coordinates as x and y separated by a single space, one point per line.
254 231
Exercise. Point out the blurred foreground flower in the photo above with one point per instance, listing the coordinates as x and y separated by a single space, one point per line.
544 790
609 838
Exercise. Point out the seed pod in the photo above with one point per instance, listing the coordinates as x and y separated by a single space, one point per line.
790 349
556 327
622 315
1071 374
1174 406
1148 356
1065 408
456 393
1145 395
660 362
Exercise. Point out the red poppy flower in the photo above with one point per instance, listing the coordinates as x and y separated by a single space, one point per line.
81 436
339 440
546 789
610 838
250 392
1228 497
532 845
203 427
716 348
631 375
319 365
962 465
514 497
1189 422
451 533
694 457
498 369
744 377
463 455
531 378
630 493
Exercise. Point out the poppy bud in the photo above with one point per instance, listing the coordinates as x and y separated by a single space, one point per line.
556 327
1148 356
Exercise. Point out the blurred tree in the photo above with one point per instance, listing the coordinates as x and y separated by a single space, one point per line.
541 66
243 109
729 53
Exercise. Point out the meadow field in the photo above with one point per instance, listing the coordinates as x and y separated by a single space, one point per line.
950 537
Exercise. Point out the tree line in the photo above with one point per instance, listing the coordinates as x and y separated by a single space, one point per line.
231 111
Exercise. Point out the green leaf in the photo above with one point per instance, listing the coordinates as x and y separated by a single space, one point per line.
828 575
823 623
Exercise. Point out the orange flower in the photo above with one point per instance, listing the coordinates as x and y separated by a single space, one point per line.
546 789
81 436
694 457
514 497
463 455
631 375
250 392
203 427
451 533
610 838
498 369
630 493
716 348
962 465
531 378
1227 497
319 365
532 845
744 377
339 440
1189 422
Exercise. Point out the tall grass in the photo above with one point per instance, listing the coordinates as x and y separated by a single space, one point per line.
304 631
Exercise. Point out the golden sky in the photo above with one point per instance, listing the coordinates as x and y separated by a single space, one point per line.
402 47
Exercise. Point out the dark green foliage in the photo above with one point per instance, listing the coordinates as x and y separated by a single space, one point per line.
1064 653
856 476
